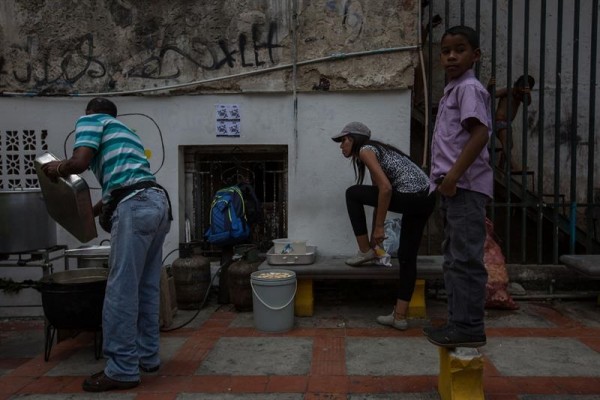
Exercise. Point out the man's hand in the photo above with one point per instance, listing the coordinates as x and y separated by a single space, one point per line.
51 170
97 209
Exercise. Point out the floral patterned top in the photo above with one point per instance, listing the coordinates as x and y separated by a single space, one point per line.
404 175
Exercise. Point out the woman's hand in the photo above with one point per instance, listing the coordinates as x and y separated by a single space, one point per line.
378 236
384 196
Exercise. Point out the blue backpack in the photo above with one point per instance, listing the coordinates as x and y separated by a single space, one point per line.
228 221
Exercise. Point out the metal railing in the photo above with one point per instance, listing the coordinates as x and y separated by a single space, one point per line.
550 204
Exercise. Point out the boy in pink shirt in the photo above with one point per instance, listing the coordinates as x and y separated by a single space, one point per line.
461 173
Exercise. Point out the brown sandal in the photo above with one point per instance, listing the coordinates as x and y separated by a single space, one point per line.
99 382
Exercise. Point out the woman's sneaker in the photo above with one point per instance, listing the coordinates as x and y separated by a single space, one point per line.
361 258
390 320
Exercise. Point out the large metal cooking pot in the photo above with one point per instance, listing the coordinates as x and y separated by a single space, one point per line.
73 299
26 224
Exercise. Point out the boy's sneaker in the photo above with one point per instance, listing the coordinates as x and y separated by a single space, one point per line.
361 258
428 329
390 320
449 337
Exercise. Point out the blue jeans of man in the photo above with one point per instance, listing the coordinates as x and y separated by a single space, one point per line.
130 317
465 276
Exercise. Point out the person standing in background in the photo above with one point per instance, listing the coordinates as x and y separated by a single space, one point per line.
519 93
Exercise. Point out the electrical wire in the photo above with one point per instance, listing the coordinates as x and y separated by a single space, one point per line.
426 113
426 102
425 91
202 303
162 142
168 254
226 265
295 80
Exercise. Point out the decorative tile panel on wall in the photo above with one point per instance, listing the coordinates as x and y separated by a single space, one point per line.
18 150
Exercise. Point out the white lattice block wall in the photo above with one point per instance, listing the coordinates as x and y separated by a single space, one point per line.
18 150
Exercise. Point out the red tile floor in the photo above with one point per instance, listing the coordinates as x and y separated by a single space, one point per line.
546 350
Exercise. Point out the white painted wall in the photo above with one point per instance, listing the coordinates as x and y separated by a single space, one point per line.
318 173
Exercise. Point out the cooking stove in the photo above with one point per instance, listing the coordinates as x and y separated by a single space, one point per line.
35 258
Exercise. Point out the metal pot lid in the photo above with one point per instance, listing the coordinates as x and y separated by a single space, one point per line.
68 201
89 251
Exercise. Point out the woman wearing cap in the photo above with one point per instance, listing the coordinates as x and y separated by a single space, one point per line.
398 185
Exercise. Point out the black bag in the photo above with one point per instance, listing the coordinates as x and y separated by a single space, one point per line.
105 217
254 214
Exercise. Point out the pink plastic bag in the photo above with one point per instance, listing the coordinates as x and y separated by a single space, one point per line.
497 295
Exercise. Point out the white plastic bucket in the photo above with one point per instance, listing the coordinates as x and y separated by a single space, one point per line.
273 294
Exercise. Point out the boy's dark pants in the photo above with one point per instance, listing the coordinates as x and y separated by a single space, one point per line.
465 276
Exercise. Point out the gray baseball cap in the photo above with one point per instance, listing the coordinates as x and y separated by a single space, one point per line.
358 128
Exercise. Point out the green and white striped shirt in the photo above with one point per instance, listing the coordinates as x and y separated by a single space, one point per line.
119 159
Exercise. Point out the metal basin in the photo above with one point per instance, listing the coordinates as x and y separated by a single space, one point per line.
26 224
90 256
73 299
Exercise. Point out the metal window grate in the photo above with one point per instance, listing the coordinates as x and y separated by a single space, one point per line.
210 168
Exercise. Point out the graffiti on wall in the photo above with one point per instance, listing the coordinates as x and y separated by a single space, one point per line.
77 62
212 58
86 58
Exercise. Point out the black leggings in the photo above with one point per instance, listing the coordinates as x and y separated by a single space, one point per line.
415 209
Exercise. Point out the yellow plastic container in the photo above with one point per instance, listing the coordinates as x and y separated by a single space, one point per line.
461 374
416 307
304 305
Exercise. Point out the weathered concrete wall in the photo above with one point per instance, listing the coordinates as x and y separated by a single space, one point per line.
88 46
232 51
318 173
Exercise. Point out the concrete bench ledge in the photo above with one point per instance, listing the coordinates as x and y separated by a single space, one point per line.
324 267
585 264
330 267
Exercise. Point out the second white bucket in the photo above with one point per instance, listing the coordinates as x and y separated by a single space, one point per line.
273 295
